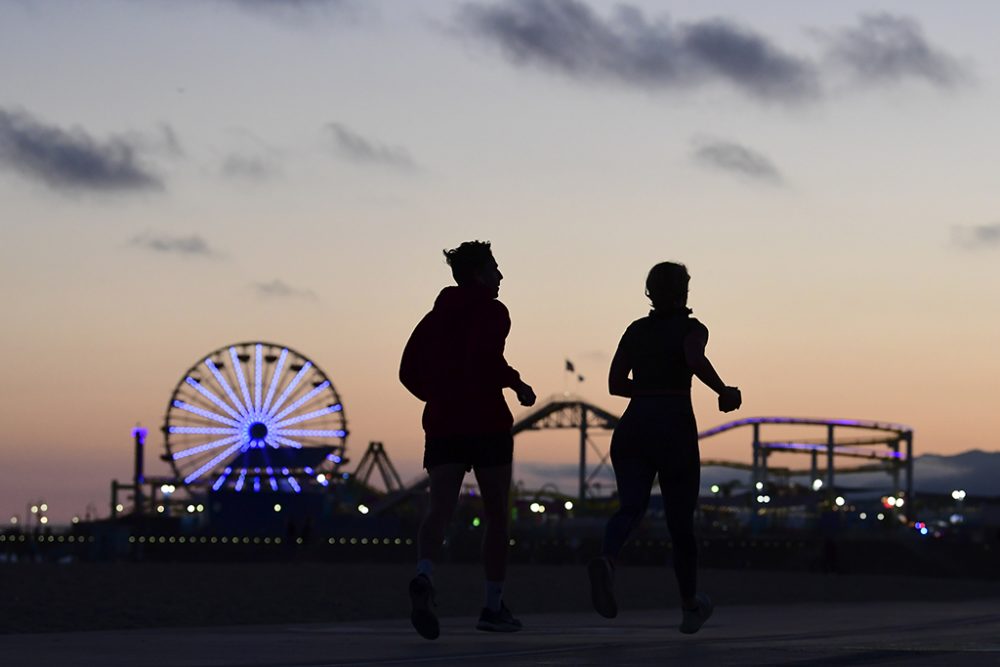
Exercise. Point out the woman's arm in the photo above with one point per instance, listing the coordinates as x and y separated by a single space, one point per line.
694 354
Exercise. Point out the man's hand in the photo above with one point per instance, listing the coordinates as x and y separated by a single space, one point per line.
525 395
730 399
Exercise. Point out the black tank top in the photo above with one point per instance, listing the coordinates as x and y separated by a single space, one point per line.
655 348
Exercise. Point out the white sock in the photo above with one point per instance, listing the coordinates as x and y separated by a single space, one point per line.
426 568
494 594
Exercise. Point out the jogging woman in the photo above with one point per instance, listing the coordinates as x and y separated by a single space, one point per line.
658 435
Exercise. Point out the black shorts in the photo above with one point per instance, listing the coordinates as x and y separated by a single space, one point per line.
472 451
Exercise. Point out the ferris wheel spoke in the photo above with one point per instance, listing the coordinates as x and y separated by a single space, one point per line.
304 399
221 379
207 414
291 386
211 464
309 415
184 453
238 369
292 482
309 433
287 442
257 380
203 430
222 480
212 397
241 479
274 379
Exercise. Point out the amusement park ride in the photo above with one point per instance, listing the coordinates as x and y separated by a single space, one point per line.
255 426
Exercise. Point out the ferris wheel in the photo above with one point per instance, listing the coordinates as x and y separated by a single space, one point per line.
255 417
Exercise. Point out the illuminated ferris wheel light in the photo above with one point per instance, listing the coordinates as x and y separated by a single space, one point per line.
230 418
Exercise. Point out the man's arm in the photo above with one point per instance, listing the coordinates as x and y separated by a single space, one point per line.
486 354
411 371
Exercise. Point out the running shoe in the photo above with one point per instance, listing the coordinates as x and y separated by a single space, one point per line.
421 601
693 619
602 594
498 621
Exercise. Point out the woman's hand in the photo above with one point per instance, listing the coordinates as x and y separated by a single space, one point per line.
525 394
730 399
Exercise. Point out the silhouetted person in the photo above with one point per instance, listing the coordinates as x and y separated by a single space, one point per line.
658 436
454 362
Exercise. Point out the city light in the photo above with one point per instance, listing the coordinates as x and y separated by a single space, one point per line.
167 489
958 494
881 516
817 484
161 509
13 520
863 516
475 521
715 488
44 520
363 509
34 508
277 507
840 501
45 508
759 486
568 505
119 507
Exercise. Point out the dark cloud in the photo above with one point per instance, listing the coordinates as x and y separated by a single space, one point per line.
884 48
278 289
191 246
737 159
356 148
249 168
567 37
71 159
977 236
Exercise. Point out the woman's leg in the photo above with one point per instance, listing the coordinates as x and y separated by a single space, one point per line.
635 482
680 479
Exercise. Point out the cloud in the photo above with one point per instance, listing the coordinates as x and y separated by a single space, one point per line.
357 148
249 168
977 236
191 246
567 37
71 160
278 289
884 48
736 159
296 11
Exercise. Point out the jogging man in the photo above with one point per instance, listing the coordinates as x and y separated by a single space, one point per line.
454 362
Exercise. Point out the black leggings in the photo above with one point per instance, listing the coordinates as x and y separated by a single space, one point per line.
658 436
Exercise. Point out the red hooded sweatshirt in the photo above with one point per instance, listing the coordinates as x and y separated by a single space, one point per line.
454 362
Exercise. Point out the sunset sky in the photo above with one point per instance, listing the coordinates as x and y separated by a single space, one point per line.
179 175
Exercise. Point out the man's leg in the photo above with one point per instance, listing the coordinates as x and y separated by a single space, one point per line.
446 482
494 489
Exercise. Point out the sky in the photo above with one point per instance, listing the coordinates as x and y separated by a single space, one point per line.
177 176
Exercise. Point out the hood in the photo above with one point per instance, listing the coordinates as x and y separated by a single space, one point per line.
461 297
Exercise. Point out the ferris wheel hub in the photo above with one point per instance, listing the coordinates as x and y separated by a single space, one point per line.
258 431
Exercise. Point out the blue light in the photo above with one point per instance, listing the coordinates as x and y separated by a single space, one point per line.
308 470
256 484
204 413
274 380
211 464
305 398
203 430
222 480
285 441
274 483
242 478
291 386
312 433
924 531
307 416
207 446
238 369
256 376
225 386
295 485
212 397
